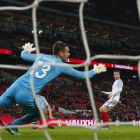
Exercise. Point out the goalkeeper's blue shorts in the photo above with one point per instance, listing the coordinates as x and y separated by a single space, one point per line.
15 94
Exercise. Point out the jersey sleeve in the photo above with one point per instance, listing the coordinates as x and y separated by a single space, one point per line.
75 73
120 84
43 100
27 56
108 93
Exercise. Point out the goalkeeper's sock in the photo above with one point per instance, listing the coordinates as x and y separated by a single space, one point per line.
106 115
28 118
102 116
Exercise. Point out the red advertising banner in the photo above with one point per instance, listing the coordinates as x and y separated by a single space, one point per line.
109 65
5 51
62 122
70 122
6 120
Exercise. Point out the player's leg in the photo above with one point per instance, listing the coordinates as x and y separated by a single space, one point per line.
102 113
7 99
28 118
13 131
31 108
106 114
27 102
110 104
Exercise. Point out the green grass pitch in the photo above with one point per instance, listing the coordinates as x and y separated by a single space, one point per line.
76 133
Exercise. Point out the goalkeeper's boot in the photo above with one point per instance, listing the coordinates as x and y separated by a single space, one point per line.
50 126
108 127
13 131
2 123
103 127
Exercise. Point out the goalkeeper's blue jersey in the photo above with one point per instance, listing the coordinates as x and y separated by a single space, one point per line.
46 73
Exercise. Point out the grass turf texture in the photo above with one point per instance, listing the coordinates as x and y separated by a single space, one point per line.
76 133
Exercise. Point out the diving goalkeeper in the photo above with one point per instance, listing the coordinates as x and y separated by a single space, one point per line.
20 91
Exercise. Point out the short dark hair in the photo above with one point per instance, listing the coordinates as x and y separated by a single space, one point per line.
58 47
117 71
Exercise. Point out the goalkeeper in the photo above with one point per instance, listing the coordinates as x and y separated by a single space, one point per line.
20 91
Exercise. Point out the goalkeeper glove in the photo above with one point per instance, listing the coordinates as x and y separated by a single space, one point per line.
100 68
28 47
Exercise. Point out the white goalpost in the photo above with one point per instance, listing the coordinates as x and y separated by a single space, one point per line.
86 64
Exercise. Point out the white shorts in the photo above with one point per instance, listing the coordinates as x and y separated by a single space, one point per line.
111 103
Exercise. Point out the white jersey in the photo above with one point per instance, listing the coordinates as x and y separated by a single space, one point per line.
118 84
43 99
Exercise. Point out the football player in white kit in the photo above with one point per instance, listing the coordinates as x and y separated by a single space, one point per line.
113 96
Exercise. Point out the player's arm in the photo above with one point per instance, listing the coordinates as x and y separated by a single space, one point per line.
79 74
48 106
25 54
104 92
50 111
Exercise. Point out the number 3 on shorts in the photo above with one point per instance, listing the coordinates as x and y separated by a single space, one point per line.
45 69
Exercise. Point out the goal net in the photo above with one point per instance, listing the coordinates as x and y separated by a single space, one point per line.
86 64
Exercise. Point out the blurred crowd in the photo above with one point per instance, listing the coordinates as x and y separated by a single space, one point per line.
13 40
118 11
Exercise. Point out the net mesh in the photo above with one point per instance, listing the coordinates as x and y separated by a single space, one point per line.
86 64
